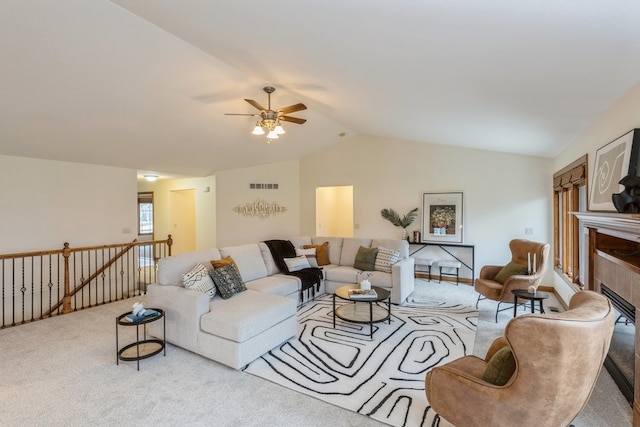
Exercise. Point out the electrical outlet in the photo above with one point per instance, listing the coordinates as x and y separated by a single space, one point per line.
528 231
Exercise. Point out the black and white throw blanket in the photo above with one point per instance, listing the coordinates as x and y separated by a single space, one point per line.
309 277
382 378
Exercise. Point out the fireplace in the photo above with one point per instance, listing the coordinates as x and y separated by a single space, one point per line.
620 359
613 269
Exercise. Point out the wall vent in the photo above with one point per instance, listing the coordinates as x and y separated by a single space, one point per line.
263 186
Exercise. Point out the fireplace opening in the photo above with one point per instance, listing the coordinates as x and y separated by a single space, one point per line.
620 359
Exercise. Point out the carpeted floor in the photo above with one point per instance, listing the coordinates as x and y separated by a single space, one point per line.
62 372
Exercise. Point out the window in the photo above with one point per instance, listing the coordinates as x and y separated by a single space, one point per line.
145 213
569 195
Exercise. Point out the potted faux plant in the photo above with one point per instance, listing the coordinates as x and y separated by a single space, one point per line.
395 219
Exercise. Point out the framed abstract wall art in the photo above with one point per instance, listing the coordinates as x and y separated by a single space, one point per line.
613 162
442 217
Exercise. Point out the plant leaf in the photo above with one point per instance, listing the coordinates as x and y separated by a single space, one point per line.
393 217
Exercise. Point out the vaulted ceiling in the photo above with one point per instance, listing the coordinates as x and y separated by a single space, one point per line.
144 84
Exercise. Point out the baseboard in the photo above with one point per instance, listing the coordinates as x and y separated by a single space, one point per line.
445 277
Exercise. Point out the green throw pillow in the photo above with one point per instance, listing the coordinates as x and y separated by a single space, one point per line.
500 367
365 259
508 270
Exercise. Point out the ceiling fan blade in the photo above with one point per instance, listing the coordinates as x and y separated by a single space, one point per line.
239 114
292 119
292 108
255 104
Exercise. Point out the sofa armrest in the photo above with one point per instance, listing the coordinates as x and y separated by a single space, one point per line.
183 309
402 279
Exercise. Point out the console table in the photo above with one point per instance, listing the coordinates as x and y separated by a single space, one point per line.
416 247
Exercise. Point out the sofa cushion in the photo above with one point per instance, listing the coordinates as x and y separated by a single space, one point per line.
278 284
228 280
511 269
249 260
296 263
385 259
350 247
199 280
399 245
299 242
343 274
310 254
365 258
335 248
322 253
382 279
171 269
269 262
246 315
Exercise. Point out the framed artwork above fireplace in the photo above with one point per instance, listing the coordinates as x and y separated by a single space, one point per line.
614 161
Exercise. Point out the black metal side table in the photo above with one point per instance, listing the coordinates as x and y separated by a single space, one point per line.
140 349
526 295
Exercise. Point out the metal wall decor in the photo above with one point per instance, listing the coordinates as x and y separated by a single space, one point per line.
260 209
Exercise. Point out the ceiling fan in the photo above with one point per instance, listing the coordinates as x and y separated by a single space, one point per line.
270 119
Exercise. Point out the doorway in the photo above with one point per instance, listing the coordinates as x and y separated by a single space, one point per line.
182 220
334 211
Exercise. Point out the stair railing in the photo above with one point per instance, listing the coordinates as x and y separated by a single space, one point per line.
37 285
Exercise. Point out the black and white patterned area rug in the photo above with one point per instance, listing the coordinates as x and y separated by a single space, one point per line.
382 378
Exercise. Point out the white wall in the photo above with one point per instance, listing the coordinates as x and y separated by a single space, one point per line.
205 195
45 203
616 121
503 193
233 190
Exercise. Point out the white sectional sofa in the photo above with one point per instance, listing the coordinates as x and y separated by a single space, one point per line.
237 330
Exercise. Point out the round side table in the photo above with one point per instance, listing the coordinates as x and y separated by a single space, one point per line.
533 297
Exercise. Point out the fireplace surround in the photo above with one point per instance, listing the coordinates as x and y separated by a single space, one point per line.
613 269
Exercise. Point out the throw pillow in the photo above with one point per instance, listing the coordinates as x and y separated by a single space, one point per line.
296 264
217 263
310 254
501 367
322 253
198 280
228 280
385 259
365 258
511 269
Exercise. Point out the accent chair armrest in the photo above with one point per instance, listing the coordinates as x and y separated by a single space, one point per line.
497 344
488 272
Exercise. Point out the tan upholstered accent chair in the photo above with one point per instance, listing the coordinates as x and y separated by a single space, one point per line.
487 287
558 359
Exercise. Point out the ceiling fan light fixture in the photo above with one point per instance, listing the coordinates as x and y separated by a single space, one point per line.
278 129
269 121
273 135
258 130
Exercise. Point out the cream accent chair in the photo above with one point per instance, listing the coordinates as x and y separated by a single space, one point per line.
558 359
487 287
